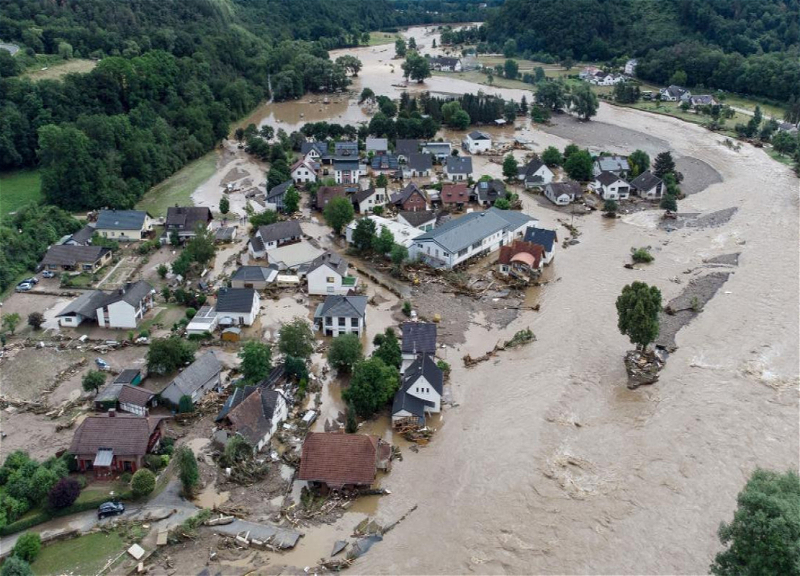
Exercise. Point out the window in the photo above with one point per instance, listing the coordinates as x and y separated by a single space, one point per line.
328 321
330 279
354 322
476 245
462 252
342 321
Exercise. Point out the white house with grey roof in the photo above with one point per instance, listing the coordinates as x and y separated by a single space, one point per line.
237 306
648 186
535 174
609 186
477 233
273 236
419 165
83 308
365 201
196 380
124 225
125 307
615 164
327 274
458 168
341 315
420 392
275 197
476 142
439 150
258 277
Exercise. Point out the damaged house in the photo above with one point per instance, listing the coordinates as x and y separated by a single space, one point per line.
521 260
420 392
336 461
252 412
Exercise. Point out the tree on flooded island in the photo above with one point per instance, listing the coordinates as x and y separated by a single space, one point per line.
510 167
637 311
296 339
764 536
373 384
399 48
416 67
552 95
664 165
350 64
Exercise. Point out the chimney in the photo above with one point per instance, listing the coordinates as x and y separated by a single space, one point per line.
112 412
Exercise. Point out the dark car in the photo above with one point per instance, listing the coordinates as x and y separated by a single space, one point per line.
110 509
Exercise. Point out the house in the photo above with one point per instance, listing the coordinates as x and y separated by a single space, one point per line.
124 225
445 64
611 187
125 307
547 239
424 220
365 201
439 150
346 148
184 220
647 185
76 258
535 174
787 127
135 400
475 234
84 307
303 172
674 93
562 193
276 196
418 338
487 192
113 444
403 148
341 315
272 236
327 193
520 259
384 162
82 237
615 164
327 274
589 72
225 234
410 199
204 321
108 396
630 66
403 233
294 257
454 195
604 79
336 461
313 151
195 381
377 146
476 142
702 100
254 413
237 306
258 277
346 171
420 392
457 168
419 165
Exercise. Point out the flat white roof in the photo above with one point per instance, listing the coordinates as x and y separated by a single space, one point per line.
403 233
293 255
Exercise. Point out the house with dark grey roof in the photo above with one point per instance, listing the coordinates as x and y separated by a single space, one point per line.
562 193
547 239
341 315
425 220
185 220
418 338
327 274
346 148
237 306
365 201
420 392
419 165
410 199
476 142
487 192
124 225
258 277
347 171
457 168
82 237
74 258
445 64
609 186
377 146
195 381
535 174
474 234
83 308
384 163
313 151
273 236
648 186
126 306
702 100
403 148
674 93
618 165
439 150
277 194
252 412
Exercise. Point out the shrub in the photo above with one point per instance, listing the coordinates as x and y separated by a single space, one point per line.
443 366
64 493
16 567
187 470
190 313
407 308
641 255
143 483
35 320
28 546
126 477
185 404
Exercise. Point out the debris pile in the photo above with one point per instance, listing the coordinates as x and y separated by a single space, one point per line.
643 367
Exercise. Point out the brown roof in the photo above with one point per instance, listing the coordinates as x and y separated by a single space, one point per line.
125 435
69 255
339 459
327 193
508 252
248 419
135 395
454 194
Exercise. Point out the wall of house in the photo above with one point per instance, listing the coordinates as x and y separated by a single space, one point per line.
132 408
475 146
70 321
456 177
331 326
121 235
323 281
415 203
119 315
423 390
303 174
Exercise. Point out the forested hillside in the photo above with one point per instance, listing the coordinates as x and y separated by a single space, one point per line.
750 47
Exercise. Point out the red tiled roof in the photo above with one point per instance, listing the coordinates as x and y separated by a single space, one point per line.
125 435
508 252
454 193
339 459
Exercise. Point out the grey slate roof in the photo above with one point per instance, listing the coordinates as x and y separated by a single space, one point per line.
377 144
197 373
478 135
235 300
279 190
607 178
343 306
645 181
135 395
332 260
405 194
320 147
85 305
420 162
613 164
132 293
491 190
127 376
419 337
465 231
424 365
83 235
384 162
531 168
419 217
444 61
120 220
362 195
351 165
346 148
405 147
411 404
280 231
542 237
187 217
225 233
458 165
253 274
570 187
69 255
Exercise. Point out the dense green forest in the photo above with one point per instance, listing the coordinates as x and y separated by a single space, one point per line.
750 47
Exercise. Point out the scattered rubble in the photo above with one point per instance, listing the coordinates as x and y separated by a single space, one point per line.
643 367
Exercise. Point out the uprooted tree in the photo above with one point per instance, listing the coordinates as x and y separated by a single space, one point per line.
637 310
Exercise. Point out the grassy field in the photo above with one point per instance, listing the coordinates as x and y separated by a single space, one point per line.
18 188
178 188
480 78
380 38
672 109
58 67
83 555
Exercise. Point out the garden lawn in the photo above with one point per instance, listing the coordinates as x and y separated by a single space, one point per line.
177 189
86 554
18 188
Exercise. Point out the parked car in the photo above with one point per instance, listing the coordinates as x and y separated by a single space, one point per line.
102 364
24 287
32 280
48 274
110 509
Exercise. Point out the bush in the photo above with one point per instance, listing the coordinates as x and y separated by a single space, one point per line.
185 404
190 313
28 546
641 255
187 470
16 567
126 477
64 493
407 308
143 483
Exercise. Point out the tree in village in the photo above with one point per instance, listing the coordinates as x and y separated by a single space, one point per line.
93 380
510 111
185 404
383 241
372 385
382 181
166 355
10 322
669 202
610 207
339 213
399 254
201 247
764 536
510 167
502 204
143 483
637 313
256 361
63 493
296 339
291 201
28 546
295 368
387 348
416 67
400 48
187 470
412 43
224 205
351 426
523 105
552 95
344 352
35 320
264 218
664 164
579 166
363 234
584 101
552 156
14 566
570 149
639 161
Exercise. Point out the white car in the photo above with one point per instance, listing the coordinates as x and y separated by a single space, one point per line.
24 287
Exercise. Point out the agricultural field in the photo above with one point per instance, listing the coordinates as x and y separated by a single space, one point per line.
18 188
178 188
58 68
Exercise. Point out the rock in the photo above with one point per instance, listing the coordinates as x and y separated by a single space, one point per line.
643 368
